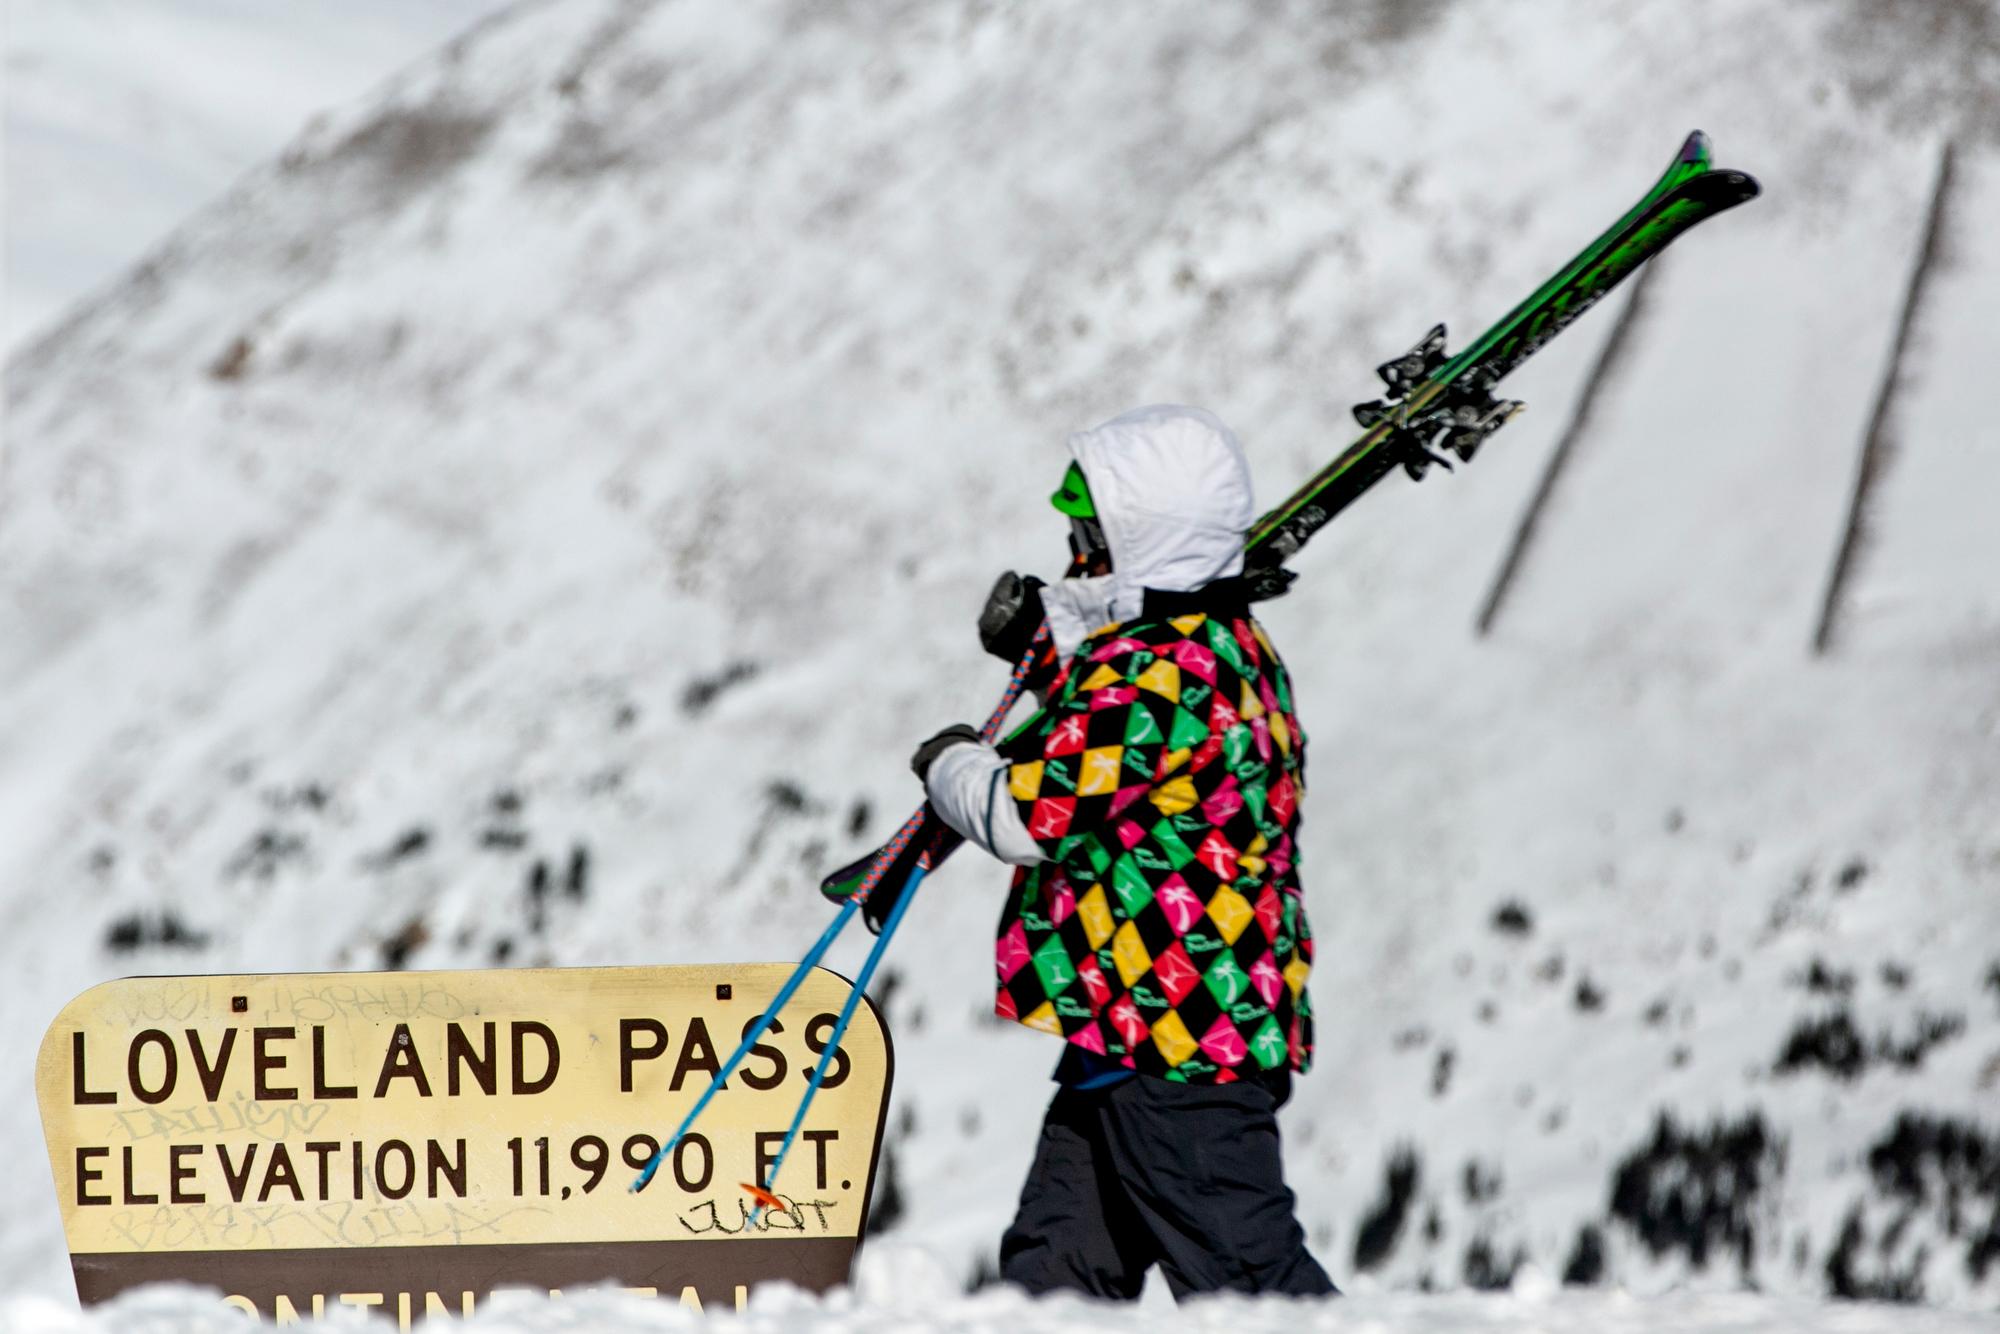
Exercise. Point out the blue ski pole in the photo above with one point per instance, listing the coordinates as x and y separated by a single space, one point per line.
764 1021
883 860
861 981
756 1031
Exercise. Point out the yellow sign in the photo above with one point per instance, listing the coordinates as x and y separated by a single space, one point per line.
410 1141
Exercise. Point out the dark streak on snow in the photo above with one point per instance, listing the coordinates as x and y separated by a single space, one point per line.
1585 1265
1383 1224
1693 1191
135 931
1831 1042
403 150
1485 1269
703 691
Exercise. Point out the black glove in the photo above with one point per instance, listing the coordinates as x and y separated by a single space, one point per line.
956 734
1013 613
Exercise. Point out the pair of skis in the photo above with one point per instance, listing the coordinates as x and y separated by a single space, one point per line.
1433 400
1435 403
1434 406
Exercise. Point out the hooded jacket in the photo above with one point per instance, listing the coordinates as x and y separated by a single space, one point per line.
1153 804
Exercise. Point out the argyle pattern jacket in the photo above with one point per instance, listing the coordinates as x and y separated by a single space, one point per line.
1164 781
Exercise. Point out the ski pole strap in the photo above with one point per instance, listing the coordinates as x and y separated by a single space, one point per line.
1016 683
890 851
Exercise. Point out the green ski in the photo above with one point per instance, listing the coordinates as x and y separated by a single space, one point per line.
1435 399
1434 403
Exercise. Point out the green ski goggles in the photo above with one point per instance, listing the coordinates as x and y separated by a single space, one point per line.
1072 498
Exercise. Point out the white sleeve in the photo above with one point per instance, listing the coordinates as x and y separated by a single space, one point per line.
967 785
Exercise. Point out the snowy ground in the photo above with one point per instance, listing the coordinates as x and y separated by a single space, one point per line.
599 440
900 1291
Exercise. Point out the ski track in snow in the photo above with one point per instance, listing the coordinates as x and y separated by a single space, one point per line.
601 438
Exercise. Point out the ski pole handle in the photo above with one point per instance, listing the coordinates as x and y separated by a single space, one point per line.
947 840
940 847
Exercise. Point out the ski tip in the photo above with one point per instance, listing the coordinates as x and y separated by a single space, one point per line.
1745 184
765 1199
1696 151
840 885
1726 189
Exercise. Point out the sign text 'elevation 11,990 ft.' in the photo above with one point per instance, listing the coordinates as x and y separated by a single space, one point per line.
408 1142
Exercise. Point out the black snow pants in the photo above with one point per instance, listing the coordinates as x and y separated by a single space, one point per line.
1185 1176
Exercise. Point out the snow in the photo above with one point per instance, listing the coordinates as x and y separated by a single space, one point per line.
901 1289
124 115
622 349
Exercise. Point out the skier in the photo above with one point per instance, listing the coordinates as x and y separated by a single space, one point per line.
1155 921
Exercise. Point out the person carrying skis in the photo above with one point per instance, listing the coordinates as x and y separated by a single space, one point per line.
1155 922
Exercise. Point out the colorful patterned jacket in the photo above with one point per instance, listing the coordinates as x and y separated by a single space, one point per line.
1154 809
1164 783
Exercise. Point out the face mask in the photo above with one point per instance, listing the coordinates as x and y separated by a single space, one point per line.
1086 541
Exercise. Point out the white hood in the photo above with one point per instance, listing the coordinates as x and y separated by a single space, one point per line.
1172 489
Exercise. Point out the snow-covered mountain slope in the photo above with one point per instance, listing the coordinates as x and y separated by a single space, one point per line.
579 467
123 115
